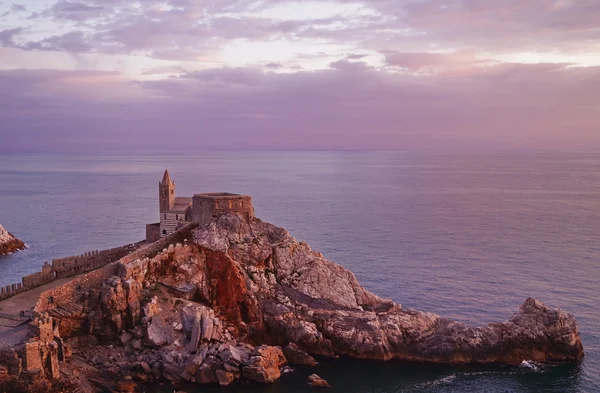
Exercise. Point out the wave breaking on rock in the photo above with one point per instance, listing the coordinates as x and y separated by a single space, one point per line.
9 243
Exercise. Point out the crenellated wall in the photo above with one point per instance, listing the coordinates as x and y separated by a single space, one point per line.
67 267
70 266
74 289
207 208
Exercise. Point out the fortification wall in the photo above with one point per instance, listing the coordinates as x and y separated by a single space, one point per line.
70 266
66 267
207 208
39 278
73 290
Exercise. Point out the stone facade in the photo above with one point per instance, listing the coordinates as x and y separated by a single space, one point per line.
207 208
153 232
175 212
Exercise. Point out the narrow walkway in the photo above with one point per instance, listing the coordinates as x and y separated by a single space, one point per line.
26 300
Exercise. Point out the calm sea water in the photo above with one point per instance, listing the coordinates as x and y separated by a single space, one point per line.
465 236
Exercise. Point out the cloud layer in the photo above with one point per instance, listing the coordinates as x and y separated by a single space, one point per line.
377 74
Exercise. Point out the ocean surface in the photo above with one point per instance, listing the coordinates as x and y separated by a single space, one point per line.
466 236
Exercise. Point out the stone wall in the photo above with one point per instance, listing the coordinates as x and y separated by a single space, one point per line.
153 232
73 290
70 266
40 278
66 267
207 208
39 354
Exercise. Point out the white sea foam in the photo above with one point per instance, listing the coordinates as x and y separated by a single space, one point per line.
441 381
530 364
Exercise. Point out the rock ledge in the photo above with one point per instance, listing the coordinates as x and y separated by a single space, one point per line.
9 243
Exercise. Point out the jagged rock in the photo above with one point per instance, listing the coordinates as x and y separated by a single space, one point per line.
206 374
234 355
196 332
126 337
263 366
9 243
207 327
125 386
193 363
295 355
188 316
295 295
172 373
225 378
146 367
258 284
158 333
317 381
137 344
151 308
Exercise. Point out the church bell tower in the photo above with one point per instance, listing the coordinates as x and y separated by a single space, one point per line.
166 192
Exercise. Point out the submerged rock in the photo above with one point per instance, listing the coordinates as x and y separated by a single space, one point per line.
9 243
317 381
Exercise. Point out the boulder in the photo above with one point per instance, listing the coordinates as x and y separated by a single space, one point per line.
206 374
225 378
125 386
193 363
264 365
126 337
172 373
158 333
294 355
146 367
196 332
317 381
152 307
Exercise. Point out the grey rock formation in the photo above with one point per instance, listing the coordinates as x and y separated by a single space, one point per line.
293 294
9 243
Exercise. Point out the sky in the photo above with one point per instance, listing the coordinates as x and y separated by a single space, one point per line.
184 75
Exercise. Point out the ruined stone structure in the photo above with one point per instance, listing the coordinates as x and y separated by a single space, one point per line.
39 354
175 212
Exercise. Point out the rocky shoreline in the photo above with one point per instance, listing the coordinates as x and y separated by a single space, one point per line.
9 243
239 300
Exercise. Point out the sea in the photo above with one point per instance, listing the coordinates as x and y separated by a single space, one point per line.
466 235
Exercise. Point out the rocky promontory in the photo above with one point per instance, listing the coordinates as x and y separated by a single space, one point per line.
9 243
239 299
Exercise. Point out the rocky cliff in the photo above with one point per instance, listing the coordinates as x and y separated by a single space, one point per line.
222 305
9 243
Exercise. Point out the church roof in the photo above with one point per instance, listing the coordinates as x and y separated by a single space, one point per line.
167 178
181 204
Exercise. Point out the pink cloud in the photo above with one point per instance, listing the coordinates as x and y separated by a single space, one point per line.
506 106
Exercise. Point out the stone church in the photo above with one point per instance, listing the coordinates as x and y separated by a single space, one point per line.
176 212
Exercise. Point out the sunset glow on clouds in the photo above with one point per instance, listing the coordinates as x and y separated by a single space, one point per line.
241 74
